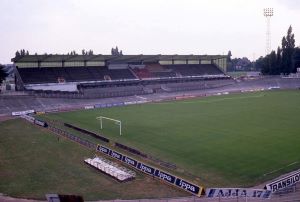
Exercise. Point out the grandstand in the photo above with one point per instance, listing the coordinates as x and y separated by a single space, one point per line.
99 76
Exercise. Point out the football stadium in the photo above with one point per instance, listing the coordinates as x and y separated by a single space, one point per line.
151 127
192 109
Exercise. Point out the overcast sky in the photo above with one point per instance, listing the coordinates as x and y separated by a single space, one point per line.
144 26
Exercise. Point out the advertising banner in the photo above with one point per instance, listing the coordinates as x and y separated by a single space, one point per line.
237 192
284 182
18 113
89 107
157 173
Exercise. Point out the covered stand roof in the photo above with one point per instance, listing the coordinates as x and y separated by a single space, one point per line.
111 58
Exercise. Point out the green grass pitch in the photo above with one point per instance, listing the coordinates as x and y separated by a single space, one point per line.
230 140
34 163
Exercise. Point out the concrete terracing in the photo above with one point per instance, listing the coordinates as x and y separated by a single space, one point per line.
10 103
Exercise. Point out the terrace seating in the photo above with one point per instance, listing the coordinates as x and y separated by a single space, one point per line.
37 75
195 70
155 68
100 73
79 74
165 71
102 92
72 74
59 73
197 85
142 73
153 71
120 74
164 74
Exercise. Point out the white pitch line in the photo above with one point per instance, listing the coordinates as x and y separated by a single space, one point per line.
217 100
273 171
230 98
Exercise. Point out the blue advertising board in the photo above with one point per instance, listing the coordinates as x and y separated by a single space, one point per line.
130 161
165 176
157 173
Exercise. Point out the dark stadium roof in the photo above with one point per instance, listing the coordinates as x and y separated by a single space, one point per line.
112 58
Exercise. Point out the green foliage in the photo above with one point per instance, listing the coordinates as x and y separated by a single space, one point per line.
84 52
270 64
241 64
20 53
228 140
3 74
288 47
278 61
296 58
283 60
229 56
116 52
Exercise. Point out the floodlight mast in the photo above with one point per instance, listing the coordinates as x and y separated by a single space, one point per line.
268 13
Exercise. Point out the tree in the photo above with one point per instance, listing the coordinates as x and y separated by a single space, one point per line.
17 54
268 64
83 52
296 58
240 64
116 52
3 74
288 47
229 56
259 63
91 52
283 61
27 52
272 63
73 52
278 61
265 64
229 62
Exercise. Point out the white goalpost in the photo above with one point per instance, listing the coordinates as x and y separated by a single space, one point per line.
117 122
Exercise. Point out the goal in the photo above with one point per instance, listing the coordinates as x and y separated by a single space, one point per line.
117 122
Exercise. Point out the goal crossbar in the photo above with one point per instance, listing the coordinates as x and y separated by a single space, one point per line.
119 122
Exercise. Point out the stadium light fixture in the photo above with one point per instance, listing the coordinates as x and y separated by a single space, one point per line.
268 13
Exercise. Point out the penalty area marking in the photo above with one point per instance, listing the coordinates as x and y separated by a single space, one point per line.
273 171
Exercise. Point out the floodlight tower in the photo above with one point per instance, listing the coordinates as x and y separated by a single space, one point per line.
268 13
